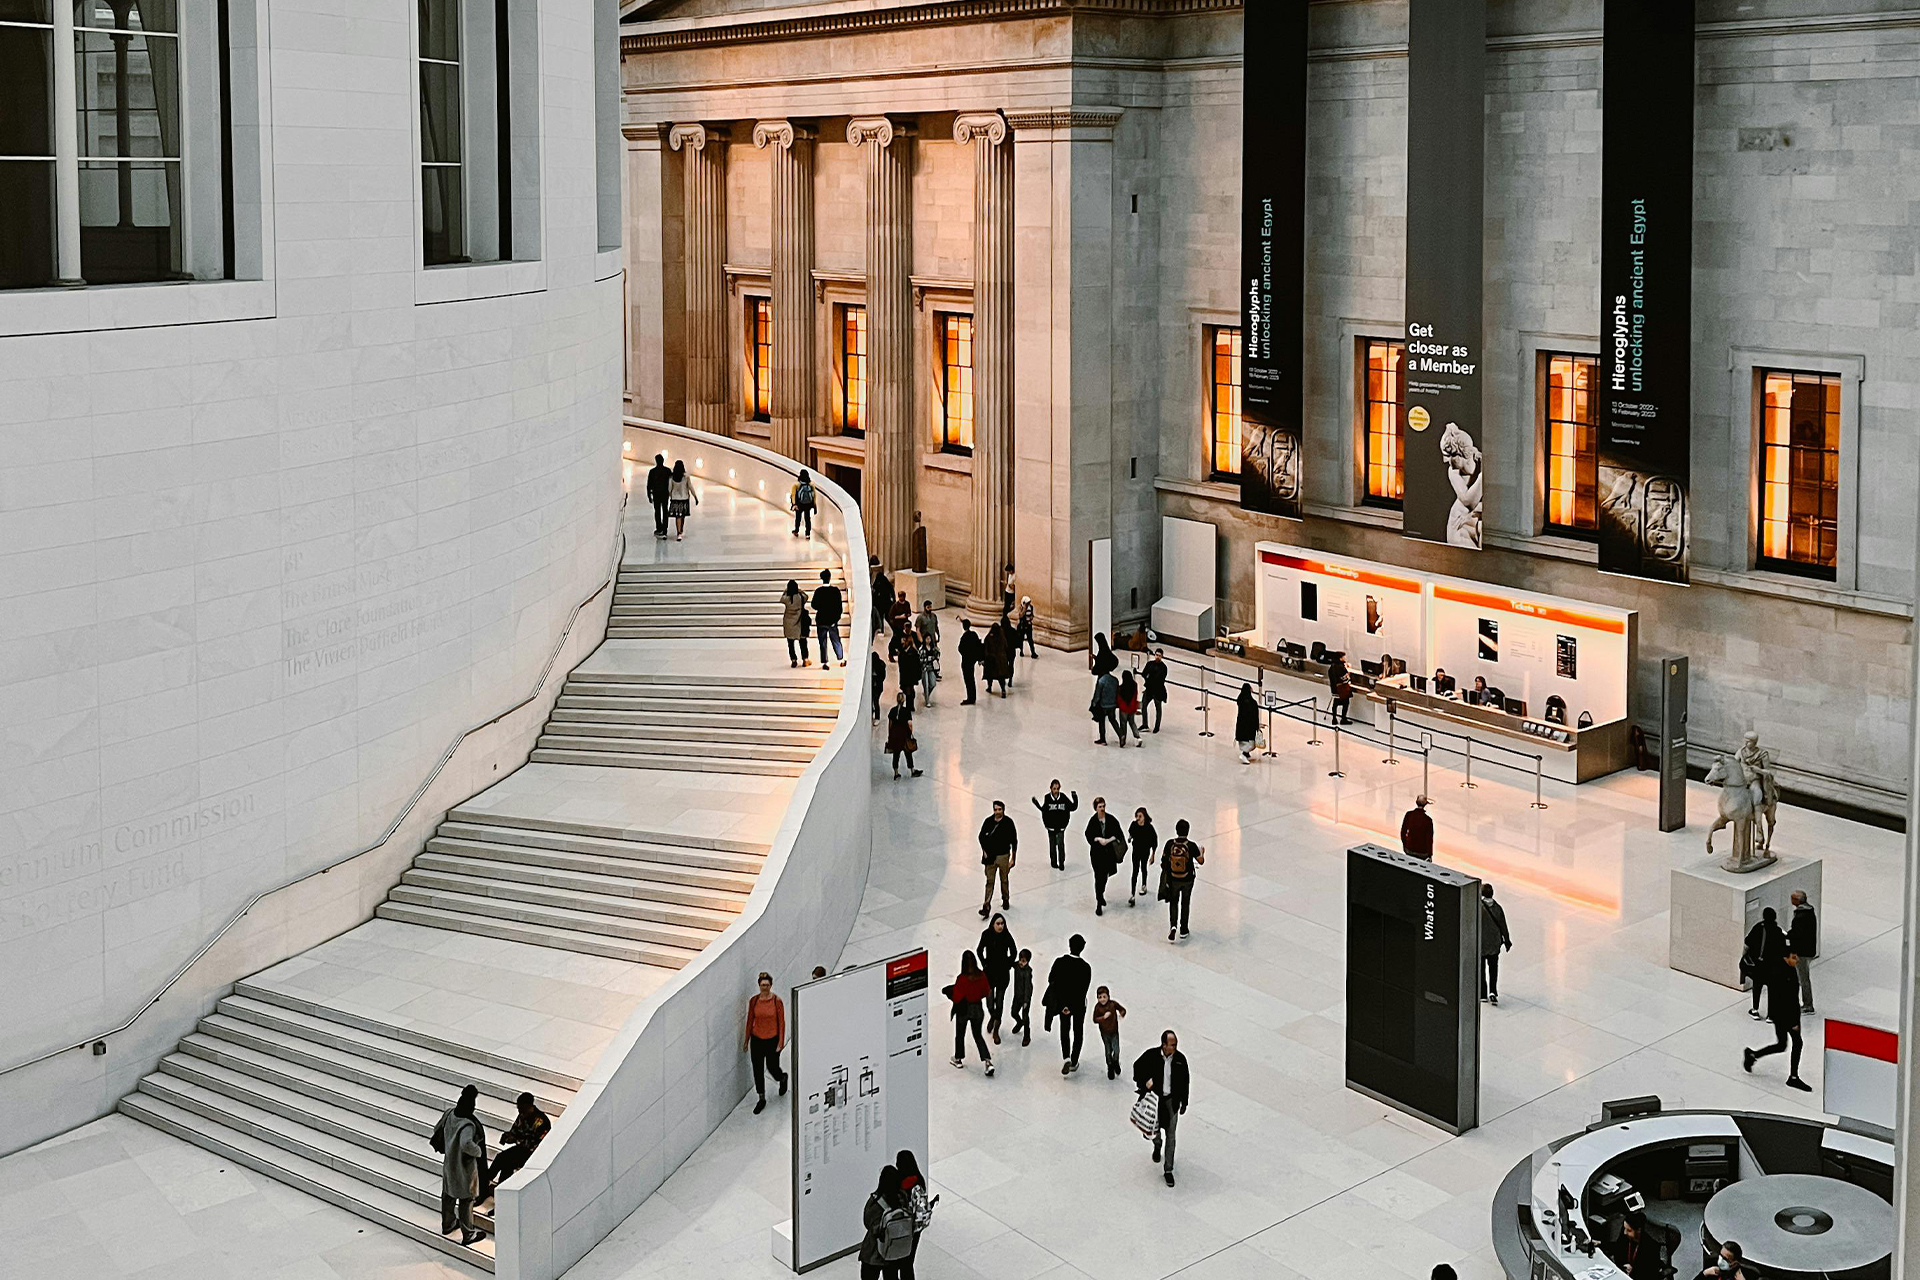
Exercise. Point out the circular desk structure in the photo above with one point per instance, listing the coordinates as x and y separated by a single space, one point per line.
1792 1225
1804 1199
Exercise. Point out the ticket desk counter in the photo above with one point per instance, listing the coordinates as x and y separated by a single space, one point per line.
1805 1200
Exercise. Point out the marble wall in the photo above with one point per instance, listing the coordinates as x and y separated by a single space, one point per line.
259 575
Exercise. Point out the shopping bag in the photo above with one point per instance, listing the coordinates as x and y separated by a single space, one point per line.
1146 1114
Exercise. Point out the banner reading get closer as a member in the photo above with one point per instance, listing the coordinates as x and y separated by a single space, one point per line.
1446 59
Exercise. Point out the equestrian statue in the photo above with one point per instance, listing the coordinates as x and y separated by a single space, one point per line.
1749 801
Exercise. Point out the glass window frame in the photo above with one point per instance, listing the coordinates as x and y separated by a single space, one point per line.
957 406
1569 435
759 309
1379 473
850 322
1223 420
1798 480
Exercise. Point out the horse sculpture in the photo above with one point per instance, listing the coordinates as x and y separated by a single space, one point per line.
1743 799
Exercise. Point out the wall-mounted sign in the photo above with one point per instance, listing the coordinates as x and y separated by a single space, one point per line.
1566 657
1273 234
1646 290
1444 480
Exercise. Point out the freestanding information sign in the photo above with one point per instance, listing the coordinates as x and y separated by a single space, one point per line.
860 1086
1673 743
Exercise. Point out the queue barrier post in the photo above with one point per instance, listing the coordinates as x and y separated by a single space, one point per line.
1538 803
1269 751
1426 758
1392 711
1336 772
1205 707
1470 784
1313 722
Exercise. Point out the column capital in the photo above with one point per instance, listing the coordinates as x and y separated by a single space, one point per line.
989 126
879 129
782 133
695 136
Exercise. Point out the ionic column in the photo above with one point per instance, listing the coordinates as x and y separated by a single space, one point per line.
992 355
705 186
794 391
887 488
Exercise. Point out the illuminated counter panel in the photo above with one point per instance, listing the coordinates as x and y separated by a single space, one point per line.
1364 609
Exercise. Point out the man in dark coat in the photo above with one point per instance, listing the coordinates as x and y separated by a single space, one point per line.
1106 846
1162 1071
1494 938
1153 691
1416 831
827 607
1803 935
999 850
1783 1010
1066 999
658 477
972 651
996 656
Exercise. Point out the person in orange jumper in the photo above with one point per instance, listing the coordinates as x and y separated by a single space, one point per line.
766 1037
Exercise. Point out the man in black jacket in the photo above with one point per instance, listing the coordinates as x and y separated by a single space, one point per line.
1783 1010
658 478
1803 935
972 651
1055 807
1153 692
999 848
1066 999
1106 846
827 608
1163 1072
1416 829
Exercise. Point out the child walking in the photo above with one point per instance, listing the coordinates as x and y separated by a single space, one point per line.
1106 1016
1023 996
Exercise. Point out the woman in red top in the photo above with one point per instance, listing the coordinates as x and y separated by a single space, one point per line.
1128 705
766 1037
969 994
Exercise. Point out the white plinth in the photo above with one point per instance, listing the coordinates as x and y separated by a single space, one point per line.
1183 619
1713 909
783 1243
922 587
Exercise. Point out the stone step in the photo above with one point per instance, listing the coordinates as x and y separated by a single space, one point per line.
585 913
625 739
787 681
790 698
825 713
686 848
742 595
397 1213
378 1114
742 571
603 857
455 1069
602 893
589 874
538 935
635 629
320 1008
680 724
693 764
811 735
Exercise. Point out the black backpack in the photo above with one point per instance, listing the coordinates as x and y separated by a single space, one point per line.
803 497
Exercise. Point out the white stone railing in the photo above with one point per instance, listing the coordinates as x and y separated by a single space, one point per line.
675 1071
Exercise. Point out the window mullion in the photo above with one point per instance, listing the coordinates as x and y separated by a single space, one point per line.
66 146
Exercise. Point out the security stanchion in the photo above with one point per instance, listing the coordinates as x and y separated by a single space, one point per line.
1313 723
1470 784
1205 713
1392 710
1538 803
1335 772
1269 751
1205 671
1426 758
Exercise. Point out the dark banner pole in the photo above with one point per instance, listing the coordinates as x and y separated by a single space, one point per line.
1446 146
1646 289
1273 233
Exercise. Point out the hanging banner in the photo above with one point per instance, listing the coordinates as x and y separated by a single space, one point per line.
1273 232
1644 412
1444 483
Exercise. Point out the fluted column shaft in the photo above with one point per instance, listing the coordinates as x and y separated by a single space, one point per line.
795 393
887 487
705 185
992 355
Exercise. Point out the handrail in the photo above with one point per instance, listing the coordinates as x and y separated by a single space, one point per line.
620 544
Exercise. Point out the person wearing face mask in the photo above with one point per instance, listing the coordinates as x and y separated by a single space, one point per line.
1727 1265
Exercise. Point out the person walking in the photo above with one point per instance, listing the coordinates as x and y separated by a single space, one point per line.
1127 703
888 1223
1107 1013
882 595
1782 981
994 651
997 951
658 479
682 498
969 993
1143 840
1154 689
1765 946
1803 935
801 500
900 739
1162 1072
1246 723
517 1145
899 614
1416 831
793 625
1105 707
1494 939
1006 596
828 606
972 652
999 850
1055 808
1066 999
928 623
765 1039
1101 660
879 682
907 659
462 1145
1106 846
1023 997
1024 628
1013 651
1178 872
929 659
1340 680
913 1185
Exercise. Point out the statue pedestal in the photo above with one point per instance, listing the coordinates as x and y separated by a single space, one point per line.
1713 908
921 587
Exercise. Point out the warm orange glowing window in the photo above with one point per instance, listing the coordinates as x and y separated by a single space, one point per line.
1800 472
760 333
1386 430
853 370
1223 402
1572 469
956 383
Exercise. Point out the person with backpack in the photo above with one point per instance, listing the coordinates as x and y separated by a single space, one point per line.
1055 808
1144 841
913 1184
828 605
658 478
1493 938
801 500
1177 876
997 950
793 625
682 498
1153 692
1023 997
968 993
889 1225
1106 846
1766 945
462 1145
